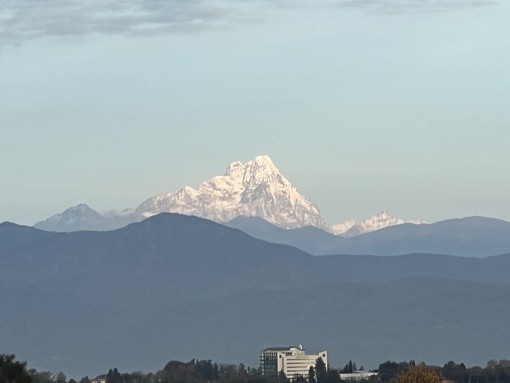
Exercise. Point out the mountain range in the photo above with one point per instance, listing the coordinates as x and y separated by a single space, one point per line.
177 287
256 198
470 236
253 189
226 269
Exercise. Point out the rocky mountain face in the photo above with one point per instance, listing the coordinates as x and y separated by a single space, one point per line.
253 189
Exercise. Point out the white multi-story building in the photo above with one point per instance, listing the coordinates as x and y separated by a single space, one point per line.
290 360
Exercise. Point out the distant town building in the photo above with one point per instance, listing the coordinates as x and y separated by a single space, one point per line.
290 360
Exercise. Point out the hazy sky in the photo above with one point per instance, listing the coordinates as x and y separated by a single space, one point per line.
365 105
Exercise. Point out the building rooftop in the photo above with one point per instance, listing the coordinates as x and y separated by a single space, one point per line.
283 348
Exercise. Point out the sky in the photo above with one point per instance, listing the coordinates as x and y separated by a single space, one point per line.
364 105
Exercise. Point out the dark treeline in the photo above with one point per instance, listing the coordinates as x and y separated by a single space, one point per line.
494 372
205 371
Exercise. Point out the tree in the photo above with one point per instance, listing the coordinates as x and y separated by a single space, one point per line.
114 376
320 371
333 376
282 378
349 367
61 377
311 375
12 371
419 374
41 376
455 372
389 370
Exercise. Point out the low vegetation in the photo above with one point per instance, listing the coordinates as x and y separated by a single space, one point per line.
205 371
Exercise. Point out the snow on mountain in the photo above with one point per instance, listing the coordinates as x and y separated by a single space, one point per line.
379 221
252 189
82 217
341 228
74 216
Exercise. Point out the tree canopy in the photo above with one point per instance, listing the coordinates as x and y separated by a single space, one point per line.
12 371
419 374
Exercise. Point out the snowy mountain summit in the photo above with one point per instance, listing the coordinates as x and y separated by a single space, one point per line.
252 189
379 221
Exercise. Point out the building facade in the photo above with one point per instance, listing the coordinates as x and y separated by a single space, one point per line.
292 360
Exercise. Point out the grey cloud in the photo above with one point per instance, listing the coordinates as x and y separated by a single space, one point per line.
382 5
411 6
22 20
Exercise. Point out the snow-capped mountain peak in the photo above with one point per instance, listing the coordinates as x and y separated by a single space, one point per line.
256 188
379 221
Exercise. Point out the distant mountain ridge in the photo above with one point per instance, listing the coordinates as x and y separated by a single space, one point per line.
253 189
82 217
470 236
